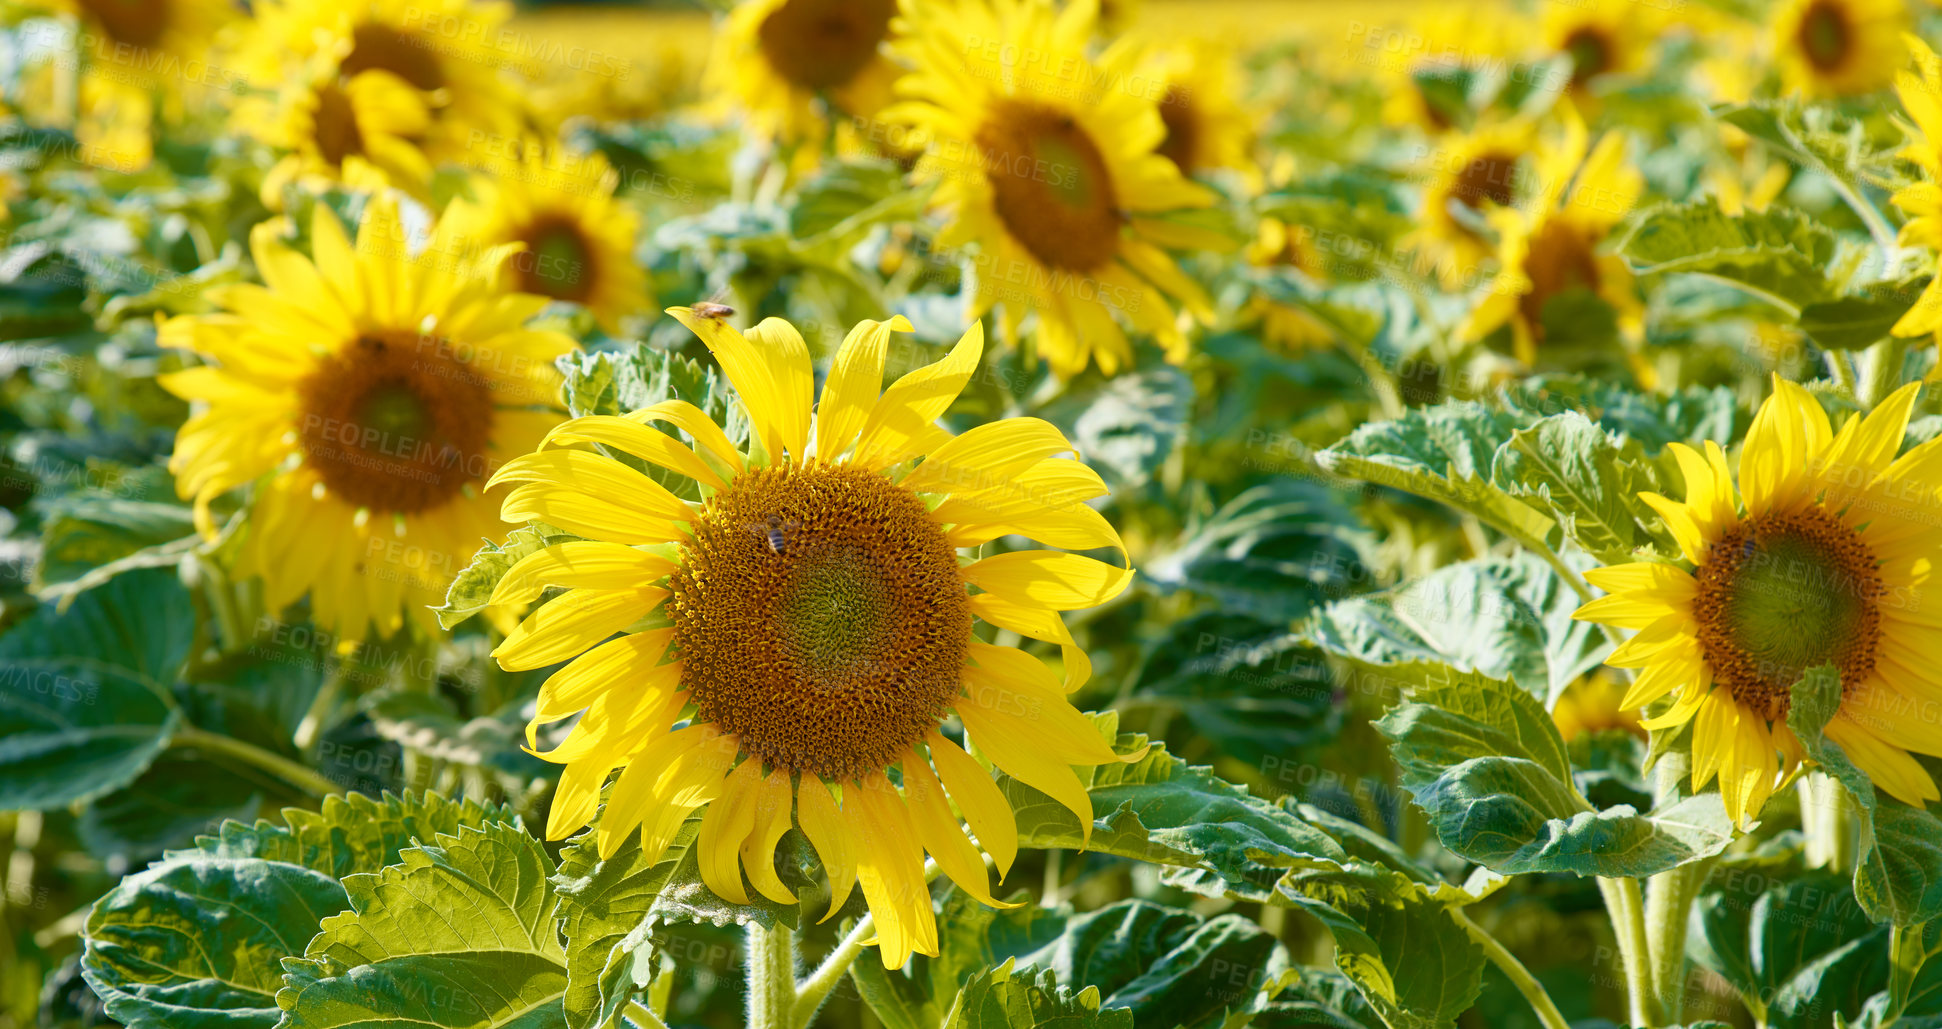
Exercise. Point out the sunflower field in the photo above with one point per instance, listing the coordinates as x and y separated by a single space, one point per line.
970 514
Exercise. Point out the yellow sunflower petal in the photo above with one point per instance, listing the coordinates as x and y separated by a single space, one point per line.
900 422
983 804
1889 767
854 382
748 366
890 870
988 455
830 833
583 564
729 820
938 830
696 423
648 444
1049 579
771 822
572 622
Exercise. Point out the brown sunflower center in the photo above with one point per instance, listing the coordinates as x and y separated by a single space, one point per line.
382 48
1562 257
395 424
1780 594
821 618
1825 35
558 261
135 22
1590 50
1182 141
1490 176
335 125
1050 185
822 44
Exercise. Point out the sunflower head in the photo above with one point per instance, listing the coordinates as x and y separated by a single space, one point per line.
1813 561
1831 48
1205 125
812 623
360 132
363 395
1052 167
789 62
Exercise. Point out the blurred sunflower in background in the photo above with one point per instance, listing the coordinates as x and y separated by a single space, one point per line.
1831 48
1470 177
1449 42
1813 562
578 238
789 63
1921 96
436 47
816 620
1280 248
136 55
1601 37
1595 704
368 392
1557 243
1206 127
1049 163
360 133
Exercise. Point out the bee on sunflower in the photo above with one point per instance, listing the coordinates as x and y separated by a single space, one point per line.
816 623
578 238
1049 162
1556 242
431 46
135 55
787 62
368 393
1834 48
1819 558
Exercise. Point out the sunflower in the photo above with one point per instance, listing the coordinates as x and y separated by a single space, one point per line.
1280 248
1922 200
813 619
1828 48
1819 560
578 240
1556 244
1594 704
1601 37
137 51
783 60
436 47
1449 39
1048 161
358 132
1206 128
368 392
1471 177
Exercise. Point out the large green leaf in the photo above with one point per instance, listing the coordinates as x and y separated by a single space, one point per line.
1445 453
1571 466
459 933
1780 254
1774 930
197 939
84 694
1273 551
1854 323
1898 874
1129 424
1485 762
999 998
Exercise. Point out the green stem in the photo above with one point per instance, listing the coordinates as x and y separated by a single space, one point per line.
811 992
282 767
771 976
1668 901
1883 371
1827 818
1050 897
1843 372
643 1015
1627 910
1907 953
1547 1011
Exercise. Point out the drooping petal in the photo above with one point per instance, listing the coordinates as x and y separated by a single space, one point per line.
832 836
983 804
1048 578
938 830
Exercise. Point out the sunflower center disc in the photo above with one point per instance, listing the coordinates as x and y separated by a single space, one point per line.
1489 176
1824 36
335 125
135 22
822 44
1183 130
1561 257
821 618
1591 54
1781 594
381 48
557 263
1050 185
395 425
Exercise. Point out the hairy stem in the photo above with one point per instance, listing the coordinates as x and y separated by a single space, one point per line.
1627 910
771 961
811 992
1668 900
1514 970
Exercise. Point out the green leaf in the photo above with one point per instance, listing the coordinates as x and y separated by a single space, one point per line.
999 999
616 382
1213 835
1779 255
198 937
1128 425
1853 323
429 723
459 933
1898 873
471 590
610 909
1444 453
1771 929
1484 760
84 694
83 533
1570 466
1273 551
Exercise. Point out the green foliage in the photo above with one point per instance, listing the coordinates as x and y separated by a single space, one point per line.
1779 255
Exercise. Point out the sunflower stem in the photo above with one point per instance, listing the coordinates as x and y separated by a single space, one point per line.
1547 1011
771 960
1827 818
1882 370
1624 904
282 767
1668 901
811 992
